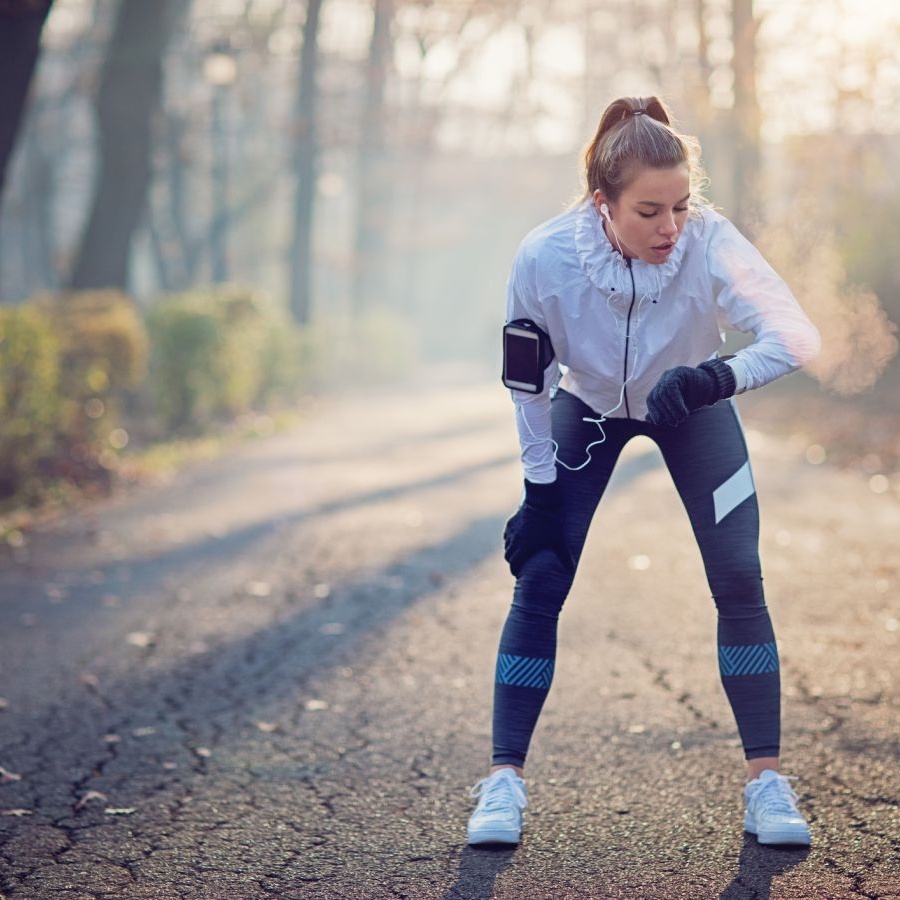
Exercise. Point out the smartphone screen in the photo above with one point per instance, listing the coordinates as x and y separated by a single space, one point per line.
521 360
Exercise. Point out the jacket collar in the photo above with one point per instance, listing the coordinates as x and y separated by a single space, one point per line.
604 265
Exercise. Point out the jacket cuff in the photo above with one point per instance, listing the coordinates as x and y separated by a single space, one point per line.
542 496
739 367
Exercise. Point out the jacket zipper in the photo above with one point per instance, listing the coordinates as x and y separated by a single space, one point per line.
628 340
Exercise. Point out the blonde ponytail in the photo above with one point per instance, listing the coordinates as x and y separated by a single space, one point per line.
634 133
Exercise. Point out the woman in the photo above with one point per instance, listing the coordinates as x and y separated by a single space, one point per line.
629 291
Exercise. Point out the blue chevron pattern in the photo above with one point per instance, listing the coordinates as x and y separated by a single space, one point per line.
524 671
748 659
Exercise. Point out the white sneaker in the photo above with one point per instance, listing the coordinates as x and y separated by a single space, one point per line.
772 813
498 816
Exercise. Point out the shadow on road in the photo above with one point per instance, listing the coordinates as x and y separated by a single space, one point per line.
757 867
172 708
478 870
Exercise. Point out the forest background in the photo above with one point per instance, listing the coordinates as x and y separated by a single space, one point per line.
211 210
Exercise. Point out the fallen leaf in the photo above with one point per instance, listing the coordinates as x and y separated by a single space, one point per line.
315 705
146 731
17 812
15 538
88 680
119 810
259 588
6 776
111 738
205 752
90 795
140 638
268 727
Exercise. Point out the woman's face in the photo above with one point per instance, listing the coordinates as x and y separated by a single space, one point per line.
650 214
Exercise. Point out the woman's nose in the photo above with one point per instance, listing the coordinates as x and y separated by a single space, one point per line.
668 226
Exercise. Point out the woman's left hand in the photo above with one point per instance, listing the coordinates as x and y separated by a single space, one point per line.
535 526
683 389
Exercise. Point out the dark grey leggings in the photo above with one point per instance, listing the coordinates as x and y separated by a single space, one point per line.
707 458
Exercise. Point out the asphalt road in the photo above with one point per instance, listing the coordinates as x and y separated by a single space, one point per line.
270 676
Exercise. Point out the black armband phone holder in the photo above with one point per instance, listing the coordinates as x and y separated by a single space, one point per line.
527 352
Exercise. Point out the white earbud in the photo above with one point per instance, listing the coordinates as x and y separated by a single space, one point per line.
604 211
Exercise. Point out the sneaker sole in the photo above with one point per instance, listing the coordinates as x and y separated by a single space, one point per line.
798 838
494 837
784 838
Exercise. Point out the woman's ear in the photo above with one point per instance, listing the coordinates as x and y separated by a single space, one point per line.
598 199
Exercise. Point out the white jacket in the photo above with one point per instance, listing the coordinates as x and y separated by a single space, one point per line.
616 325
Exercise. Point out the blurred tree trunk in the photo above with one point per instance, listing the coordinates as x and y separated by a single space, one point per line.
713 125
127 102
178 256
370 283
700 95
306 152
21 23
745 117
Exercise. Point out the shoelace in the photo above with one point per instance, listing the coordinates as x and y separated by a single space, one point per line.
499 794
777 796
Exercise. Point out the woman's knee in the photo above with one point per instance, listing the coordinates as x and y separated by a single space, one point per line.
739 591
544 583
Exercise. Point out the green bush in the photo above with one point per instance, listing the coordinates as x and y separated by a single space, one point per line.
286 363
69 363
219 352
103 355
183 343
29 402
65 361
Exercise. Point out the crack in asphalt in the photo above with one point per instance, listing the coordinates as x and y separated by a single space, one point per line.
660 677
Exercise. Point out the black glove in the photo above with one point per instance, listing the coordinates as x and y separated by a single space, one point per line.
683 389
535 526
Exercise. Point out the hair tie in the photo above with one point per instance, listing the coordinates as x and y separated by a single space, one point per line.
639 112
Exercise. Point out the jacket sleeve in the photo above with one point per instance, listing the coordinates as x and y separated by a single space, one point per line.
532 410
752 298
